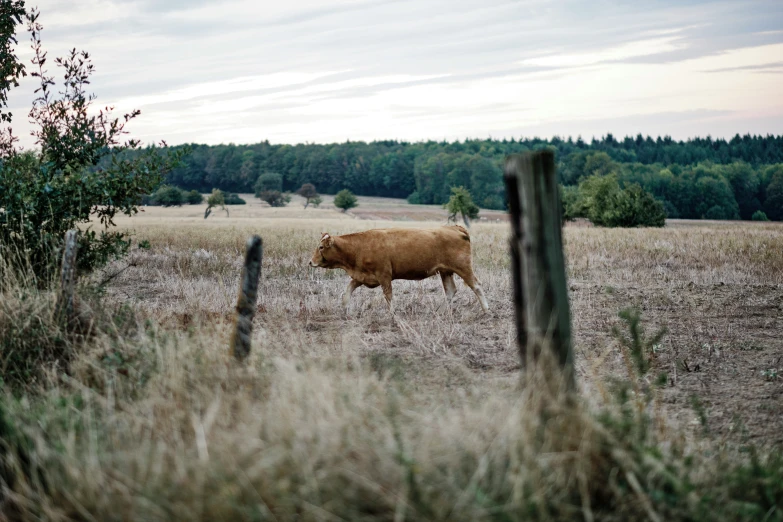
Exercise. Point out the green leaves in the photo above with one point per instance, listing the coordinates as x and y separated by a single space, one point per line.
600 199
268 181
81 175
636 343
216 199
345 200
461 203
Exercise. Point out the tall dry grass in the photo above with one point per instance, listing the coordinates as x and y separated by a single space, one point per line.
335 438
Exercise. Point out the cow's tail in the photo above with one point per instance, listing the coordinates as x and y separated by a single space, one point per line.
465 233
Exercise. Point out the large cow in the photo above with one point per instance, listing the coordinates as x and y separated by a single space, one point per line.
376 257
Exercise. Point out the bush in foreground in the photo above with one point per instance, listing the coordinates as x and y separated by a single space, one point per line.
79 173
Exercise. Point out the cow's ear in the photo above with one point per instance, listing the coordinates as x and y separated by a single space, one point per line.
327 240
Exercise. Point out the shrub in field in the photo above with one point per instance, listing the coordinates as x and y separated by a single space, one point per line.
275 198
759 215
168 196
234 199
633 207
194 197
45 193
597 193
607 205
345 200
316 201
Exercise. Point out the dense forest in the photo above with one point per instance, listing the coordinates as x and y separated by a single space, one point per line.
697 178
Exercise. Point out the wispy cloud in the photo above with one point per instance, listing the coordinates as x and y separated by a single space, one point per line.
302 70
760 67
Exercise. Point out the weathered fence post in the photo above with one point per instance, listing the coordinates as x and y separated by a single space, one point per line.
538 265
64 305
246 301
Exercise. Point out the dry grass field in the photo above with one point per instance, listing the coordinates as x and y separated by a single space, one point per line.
420 416
716 287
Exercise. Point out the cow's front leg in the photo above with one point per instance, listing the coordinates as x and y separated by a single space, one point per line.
387 293
353 284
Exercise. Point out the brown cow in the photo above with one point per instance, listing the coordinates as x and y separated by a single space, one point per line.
376 257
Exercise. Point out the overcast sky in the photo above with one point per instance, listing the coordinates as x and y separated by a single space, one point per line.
208 71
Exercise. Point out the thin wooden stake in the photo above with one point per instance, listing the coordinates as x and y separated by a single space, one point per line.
538 264
65 298
246 301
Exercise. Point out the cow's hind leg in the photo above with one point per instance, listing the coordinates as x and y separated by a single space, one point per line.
474 285
353 284
448 285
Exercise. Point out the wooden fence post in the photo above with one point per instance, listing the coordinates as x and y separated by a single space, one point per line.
538 265
246 301
65 298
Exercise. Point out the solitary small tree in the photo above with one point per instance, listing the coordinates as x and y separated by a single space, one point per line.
345 200
461 203
216 199
308 192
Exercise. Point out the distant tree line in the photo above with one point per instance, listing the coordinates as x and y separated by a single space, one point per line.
697 178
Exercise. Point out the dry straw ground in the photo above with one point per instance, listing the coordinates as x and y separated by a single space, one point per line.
419 416
716 287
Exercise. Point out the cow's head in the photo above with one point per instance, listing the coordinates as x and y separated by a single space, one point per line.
323 255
